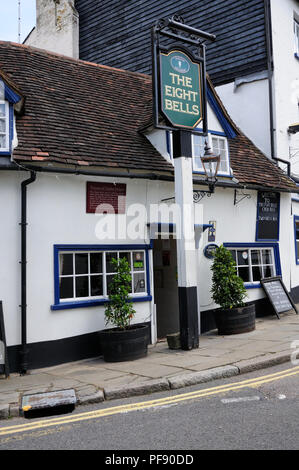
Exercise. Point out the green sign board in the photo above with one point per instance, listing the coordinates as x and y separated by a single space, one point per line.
180 85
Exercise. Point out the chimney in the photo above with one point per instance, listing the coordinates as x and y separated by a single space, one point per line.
57 27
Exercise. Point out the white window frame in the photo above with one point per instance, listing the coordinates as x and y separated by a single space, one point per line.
210 137
104 274
250 265
6 119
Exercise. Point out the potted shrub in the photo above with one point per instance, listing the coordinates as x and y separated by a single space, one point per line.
228 291
124 342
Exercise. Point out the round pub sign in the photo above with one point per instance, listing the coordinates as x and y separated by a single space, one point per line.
181 96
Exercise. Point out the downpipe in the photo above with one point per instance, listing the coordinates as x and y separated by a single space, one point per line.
24 349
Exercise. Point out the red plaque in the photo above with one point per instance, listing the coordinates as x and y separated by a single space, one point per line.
105 198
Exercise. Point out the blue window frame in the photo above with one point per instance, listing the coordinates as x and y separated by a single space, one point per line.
82 274
296 237
255 261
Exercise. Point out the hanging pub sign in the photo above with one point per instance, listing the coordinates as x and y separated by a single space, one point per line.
267 224
179 77
181 89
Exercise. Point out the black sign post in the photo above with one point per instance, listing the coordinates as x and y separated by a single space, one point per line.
278 295
179 105
3 348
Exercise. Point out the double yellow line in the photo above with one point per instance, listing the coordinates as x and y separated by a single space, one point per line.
253 383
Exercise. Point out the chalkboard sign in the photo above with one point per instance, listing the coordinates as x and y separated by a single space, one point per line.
267 226
4 369
278 295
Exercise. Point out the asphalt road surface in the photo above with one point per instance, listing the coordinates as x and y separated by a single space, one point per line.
254 411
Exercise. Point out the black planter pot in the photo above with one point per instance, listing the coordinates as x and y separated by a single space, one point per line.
124 345
236 320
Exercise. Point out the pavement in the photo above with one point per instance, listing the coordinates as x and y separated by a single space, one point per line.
95 381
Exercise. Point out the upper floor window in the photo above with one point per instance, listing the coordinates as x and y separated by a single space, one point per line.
4 126
296 37
218 145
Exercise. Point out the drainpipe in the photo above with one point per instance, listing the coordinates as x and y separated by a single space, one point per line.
268 25
24 349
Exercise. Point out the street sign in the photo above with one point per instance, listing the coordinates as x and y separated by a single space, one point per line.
181 89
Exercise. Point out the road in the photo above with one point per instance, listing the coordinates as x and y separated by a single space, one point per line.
254 411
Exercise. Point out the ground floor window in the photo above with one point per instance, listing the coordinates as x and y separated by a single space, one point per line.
255 261
85 274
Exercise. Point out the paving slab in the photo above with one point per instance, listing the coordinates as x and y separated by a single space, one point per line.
95 380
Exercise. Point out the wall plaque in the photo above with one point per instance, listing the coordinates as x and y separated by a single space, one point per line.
105 198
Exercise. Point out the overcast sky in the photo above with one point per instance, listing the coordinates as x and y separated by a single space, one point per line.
9 19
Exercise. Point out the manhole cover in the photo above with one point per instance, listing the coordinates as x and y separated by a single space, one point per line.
38 401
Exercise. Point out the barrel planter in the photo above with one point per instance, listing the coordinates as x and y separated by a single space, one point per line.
124 345
236 320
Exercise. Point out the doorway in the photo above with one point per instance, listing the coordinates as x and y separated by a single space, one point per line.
166 286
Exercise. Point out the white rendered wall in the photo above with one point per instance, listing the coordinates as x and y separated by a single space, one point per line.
57 215
248 106
286 79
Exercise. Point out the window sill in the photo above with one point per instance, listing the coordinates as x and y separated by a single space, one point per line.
94 303
252 286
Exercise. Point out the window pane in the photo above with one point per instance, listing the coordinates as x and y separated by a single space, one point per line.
96 263
297 231
244 274
2 141
297 243
233 253
82 286
2 109
268 271
66 264
257 273
2 125
96 285
109 266
242 257
267 257
139 282
81 263
126 256
108 281
66 288
256 257
138 261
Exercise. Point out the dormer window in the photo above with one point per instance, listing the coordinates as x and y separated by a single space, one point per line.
4 126
218 145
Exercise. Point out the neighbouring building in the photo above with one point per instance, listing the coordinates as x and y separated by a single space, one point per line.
75 134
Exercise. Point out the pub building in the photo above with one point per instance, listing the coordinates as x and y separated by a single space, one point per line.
78 142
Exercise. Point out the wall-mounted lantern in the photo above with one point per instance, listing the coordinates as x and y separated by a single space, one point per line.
210 163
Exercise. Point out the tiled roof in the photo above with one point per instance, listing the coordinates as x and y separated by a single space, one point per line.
77 112
82 113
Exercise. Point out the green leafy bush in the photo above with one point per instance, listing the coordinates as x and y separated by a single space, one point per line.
119 311
228 289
